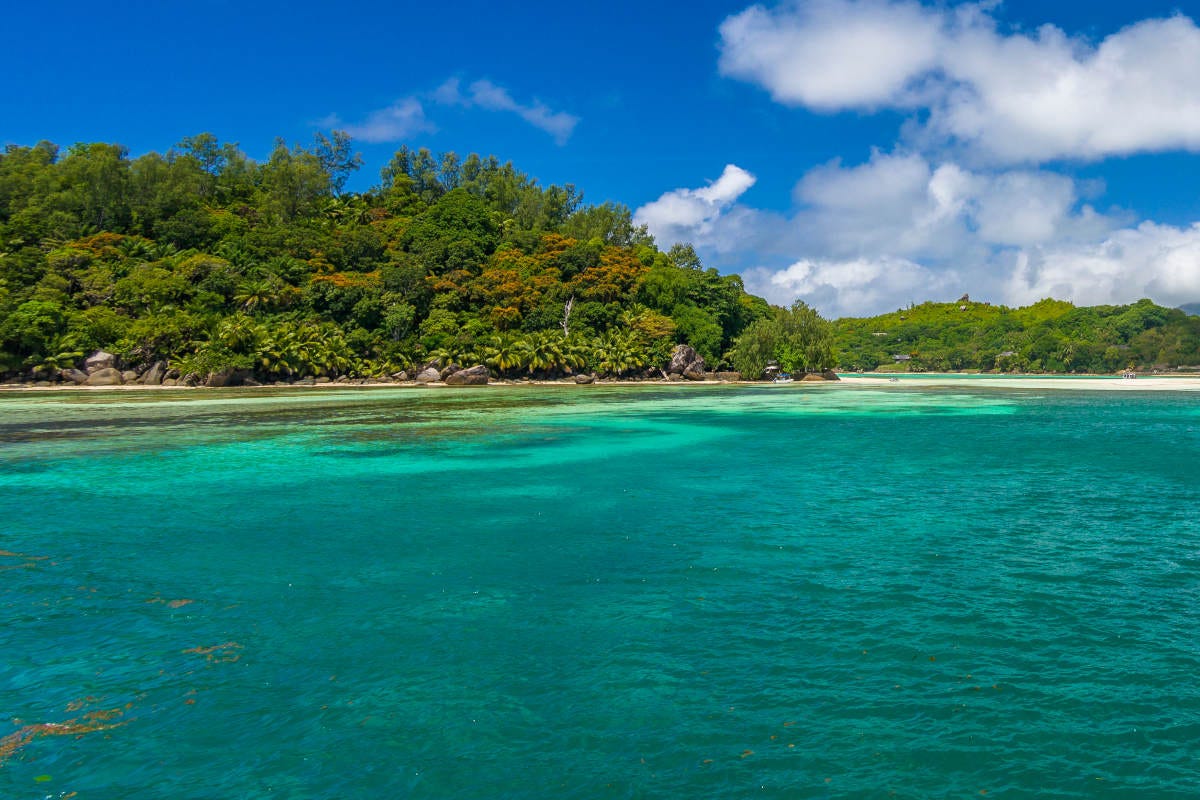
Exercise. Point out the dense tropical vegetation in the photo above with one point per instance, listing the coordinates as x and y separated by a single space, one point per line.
205 259
797 339
1048 336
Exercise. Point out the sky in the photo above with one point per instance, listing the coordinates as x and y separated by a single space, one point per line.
859 155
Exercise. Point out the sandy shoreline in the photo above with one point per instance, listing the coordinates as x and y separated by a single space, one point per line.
1185 383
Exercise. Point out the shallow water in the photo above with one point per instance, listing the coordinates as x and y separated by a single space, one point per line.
582 592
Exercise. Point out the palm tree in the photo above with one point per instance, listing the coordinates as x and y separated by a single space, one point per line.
275 353
239 333
504 353
61 353
619 351
545 353
256 294
443 355
236 254
135 248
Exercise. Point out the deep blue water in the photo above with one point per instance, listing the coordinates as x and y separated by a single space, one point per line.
600 592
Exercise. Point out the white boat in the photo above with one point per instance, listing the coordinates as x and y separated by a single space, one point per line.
783 377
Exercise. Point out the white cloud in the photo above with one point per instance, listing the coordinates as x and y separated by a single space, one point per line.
487 95
1004 97
960 206
856 287
1151 260
898 228
691 214
831 54
404 118
407 116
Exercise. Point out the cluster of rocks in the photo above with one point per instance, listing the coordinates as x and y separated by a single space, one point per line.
453 375
686 364
103 369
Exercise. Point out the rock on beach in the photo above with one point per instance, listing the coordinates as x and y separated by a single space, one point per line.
99 360
105 377
429 375
471 376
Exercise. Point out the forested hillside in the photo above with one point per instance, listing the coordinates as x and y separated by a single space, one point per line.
1049 336
210 262
205 259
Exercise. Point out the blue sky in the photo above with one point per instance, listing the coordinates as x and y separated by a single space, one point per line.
858 154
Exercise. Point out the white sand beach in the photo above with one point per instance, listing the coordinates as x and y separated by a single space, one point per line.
1182 383
1168 383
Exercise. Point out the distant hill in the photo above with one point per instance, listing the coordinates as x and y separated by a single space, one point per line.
1048 336
1191 308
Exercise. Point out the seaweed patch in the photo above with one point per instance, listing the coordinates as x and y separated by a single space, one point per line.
91 722
225 653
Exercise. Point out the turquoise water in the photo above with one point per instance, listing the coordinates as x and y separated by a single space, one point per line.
595 592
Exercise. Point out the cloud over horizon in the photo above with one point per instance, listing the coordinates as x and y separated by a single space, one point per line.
959 202
900 228
407 116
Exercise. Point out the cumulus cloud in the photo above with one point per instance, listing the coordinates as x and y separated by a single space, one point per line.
487 95
1007 97
692 214
1151 260
856 287
900 228
832 54
407 116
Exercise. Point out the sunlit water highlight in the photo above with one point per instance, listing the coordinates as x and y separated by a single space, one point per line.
590 592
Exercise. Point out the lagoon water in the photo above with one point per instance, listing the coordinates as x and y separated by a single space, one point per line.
600 592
